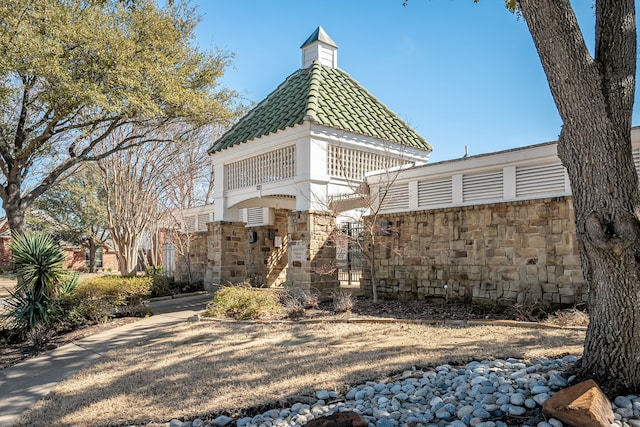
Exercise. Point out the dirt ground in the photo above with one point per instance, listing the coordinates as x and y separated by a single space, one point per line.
215 367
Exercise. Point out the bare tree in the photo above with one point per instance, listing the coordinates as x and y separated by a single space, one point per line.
134 182
191 180
377 236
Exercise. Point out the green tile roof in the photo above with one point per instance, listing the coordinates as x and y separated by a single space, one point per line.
326 96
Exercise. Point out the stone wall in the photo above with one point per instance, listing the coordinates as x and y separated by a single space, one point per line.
226 253
517 252
266 263
312 252
197 259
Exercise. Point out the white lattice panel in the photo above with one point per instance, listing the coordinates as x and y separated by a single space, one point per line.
275 165
354 164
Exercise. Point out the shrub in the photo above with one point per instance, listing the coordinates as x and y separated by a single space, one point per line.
309 299
342 301
161 285
531 311
155 270
569 317
100 298
293 307
243 302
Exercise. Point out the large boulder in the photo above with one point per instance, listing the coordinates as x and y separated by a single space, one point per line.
581 405
338 419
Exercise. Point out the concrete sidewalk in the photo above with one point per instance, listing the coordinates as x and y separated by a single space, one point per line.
24 384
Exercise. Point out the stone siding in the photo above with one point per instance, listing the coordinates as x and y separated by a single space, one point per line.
197 258
311 232
516 252
226 254
266 263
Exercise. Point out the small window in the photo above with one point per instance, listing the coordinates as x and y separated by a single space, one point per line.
98 257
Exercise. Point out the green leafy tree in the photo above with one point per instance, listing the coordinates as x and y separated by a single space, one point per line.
594 94
73 71
75 210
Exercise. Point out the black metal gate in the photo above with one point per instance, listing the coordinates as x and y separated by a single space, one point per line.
349 255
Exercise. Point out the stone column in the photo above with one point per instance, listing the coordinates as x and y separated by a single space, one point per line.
312 253
226 249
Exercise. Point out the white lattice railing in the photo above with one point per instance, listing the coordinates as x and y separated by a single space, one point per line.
275 165
354 164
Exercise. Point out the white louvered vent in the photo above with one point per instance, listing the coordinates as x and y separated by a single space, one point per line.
203 219
636 160
397 198
190 224
540 179
482 186
431 193
255 217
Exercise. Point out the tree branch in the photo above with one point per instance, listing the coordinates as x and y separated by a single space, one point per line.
571 71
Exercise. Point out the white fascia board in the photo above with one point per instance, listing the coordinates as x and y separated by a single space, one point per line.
286 187
198 210
365 143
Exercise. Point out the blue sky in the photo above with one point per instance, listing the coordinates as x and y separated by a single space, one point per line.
460 73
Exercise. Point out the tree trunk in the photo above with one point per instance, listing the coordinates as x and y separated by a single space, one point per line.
92 255
14 207
372 265
595 99
126 252
187 262
608 238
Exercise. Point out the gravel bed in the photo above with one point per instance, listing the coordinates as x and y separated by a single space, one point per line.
498 393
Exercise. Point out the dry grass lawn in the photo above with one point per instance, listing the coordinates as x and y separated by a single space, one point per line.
210 367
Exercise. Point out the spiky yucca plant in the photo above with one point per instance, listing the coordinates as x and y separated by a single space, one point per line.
37 261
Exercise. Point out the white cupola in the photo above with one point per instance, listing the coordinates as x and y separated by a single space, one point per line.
319 47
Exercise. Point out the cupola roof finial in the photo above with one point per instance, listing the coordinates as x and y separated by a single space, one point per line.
319 47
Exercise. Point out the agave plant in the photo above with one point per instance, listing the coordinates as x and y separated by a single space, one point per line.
37 262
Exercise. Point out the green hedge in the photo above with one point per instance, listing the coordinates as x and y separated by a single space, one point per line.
243 302
100 298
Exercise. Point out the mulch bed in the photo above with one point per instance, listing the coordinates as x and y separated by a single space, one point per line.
12 353
426 310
